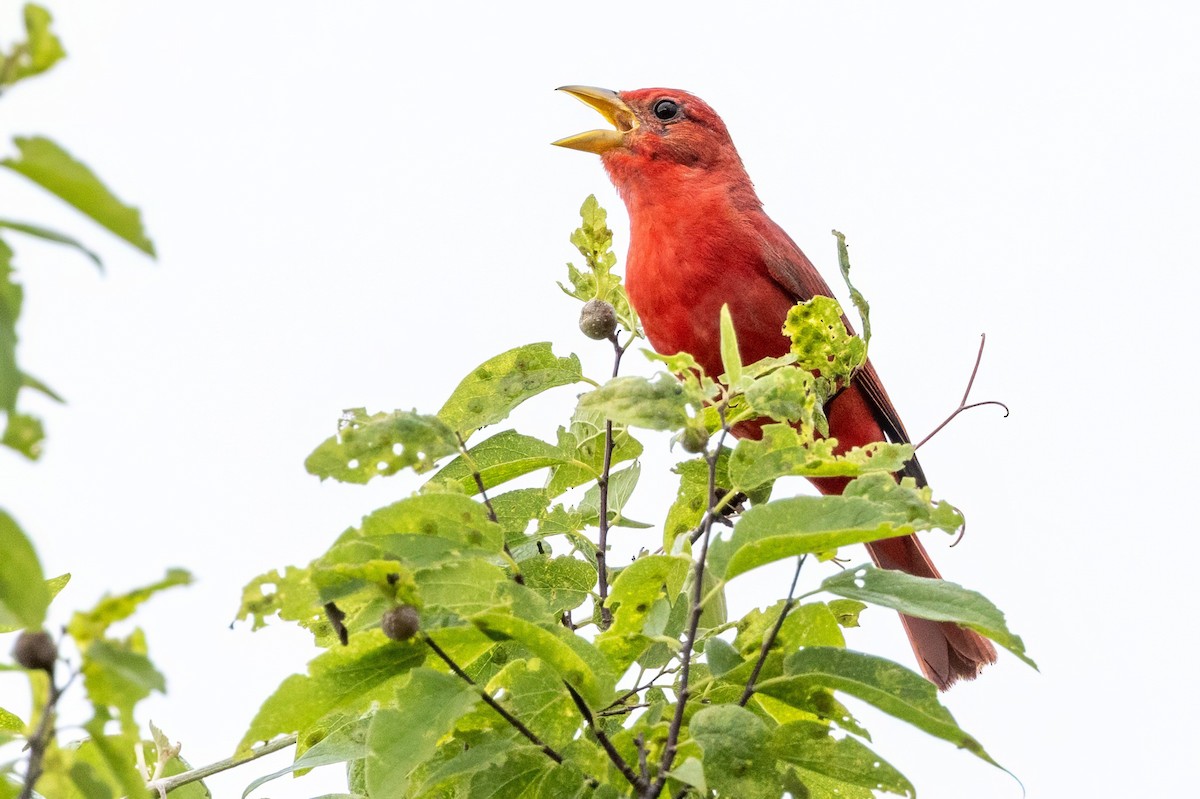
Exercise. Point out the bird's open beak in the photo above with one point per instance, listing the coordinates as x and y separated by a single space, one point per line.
612 108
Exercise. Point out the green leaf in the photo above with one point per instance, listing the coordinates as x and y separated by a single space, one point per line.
38 53
403 737
810 624
789 394
659 404
500 384
620 487
731 359
734 739
90 625
634 594
51 167
10 722
927 598
454 517
25 434
821 341
534 693
11 297
342 744
886 685
380 445
583 443
116 675
594 241
346 679
51 235
860 302
24 595
503 457
564 582
463 587
721 656
809 745
871 508
556 646
784 451
847 611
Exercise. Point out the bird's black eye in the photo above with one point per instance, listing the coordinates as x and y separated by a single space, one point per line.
666 110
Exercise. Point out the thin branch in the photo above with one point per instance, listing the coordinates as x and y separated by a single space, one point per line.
685 655
516 723
622 765
165 785
40 741
602 538
769 639
962 405
643 764
639 688
622 710
462 446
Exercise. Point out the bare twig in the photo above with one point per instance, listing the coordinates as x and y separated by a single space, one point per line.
622 765
165 785
516 723
689 640
462 447
602 537
769 638
639 688
962 405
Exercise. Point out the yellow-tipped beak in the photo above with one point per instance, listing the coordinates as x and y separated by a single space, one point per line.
612 108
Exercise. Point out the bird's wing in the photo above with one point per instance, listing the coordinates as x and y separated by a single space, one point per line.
790 268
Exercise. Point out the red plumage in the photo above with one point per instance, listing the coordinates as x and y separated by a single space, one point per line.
700 239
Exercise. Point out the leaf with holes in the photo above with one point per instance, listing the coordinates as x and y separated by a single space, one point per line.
381 444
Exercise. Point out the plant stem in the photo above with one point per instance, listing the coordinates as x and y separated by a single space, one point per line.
962 404
769 639
165 785
42 736
516 723
637 782
462 447
689 640
602 537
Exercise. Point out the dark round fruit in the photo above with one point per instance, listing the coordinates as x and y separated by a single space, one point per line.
598 320
401 623
36 650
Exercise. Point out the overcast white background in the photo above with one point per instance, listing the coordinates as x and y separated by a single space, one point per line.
355 203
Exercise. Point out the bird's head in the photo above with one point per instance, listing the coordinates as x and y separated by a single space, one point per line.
655 131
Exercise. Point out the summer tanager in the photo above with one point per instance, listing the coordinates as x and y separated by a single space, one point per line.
699 239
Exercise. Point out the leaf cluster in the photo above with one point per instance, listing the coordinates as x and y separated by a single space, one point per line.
529 678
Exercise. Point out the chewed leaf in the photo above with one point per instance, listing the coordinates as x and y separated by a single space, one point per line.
500 384
784 451
381 444
660 404
594 240
821 341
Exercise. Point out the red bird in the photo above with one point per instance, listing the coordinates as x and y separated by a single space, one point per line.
699 239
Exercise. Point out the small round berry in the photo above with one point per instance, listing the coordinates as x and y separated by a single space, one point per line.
401 623
36 650
694 440
598 320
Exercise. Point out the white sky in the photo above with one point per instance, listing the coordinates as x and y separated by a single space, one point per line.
349 197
